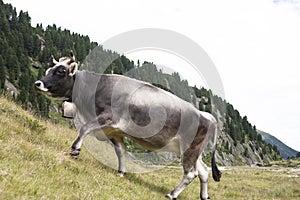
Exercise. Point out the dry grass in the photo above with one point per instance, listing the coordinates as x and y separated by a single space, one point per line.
35 164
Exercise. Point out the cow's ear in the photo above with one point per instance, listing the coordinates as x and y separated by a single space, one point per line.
73 69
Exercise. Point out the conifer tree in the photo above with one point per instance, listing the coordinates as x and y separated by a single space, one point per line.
2 73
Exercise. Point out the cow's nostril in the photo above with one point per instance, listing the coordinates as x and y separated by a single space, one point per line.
37 83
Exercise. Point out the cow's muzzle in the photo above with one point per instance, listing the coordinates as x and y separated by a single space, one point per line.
39 85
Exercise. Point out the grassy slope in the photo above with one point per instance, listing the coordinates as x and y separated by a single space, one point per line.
35 164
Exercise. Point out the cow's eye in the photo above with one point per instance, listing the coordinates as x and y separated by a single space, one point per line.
60 72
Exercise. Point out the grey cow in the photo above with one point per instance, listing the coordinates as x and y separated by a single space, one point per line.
124 107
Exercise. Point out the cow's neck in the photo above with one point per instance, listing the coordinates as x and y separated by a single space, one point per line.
70 91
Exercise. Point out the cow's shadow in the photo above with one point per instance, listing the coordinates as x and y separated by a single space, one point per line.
137 180
134 178
159 189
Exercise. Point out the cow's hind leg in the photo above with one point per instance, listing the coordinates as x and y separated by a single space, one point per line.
190 157
120 151
203 177
96 124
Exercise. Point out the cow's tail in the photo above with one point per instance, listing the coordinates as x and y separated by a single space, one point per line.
215 171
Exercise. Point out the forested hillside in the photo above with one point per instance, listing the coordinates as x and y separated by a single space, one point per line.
24 46
24 56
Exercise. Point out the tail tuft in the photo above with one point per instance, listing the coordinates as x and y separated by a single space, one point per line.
216 173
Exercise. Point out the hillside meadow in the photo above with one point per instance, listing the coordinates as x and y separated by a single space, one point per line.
35 164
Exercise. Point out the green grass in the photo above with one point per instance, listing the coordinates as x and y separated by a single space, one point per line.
35 164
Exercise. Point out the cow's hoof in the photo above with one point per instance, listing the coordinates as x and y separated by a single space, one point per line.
121 174
75 153
168 196
205 198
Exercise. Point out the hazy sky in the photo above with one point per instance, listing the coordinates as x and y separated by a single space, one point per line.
255 45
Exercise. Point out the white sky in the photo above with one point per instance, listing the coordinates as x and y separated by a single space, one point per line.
255 45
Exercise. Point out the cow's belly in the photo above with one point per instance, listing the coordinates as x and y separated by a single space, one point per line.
171 146
158 142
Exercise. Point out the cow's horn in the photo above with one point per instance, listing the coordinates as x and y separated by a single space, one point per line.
53 60
72 57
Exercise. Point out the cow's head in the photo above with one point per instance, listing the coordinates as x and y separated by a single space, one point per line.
59 80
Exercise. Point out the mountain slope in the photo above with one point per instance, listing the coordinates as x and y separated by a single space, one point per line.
35 164
285 151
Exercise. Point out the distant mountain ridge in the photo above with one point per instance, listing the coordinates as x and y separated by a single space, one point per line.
285 151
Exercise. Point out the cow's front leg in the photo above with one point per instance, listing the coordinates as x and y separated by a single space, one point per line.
120 151
90 126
